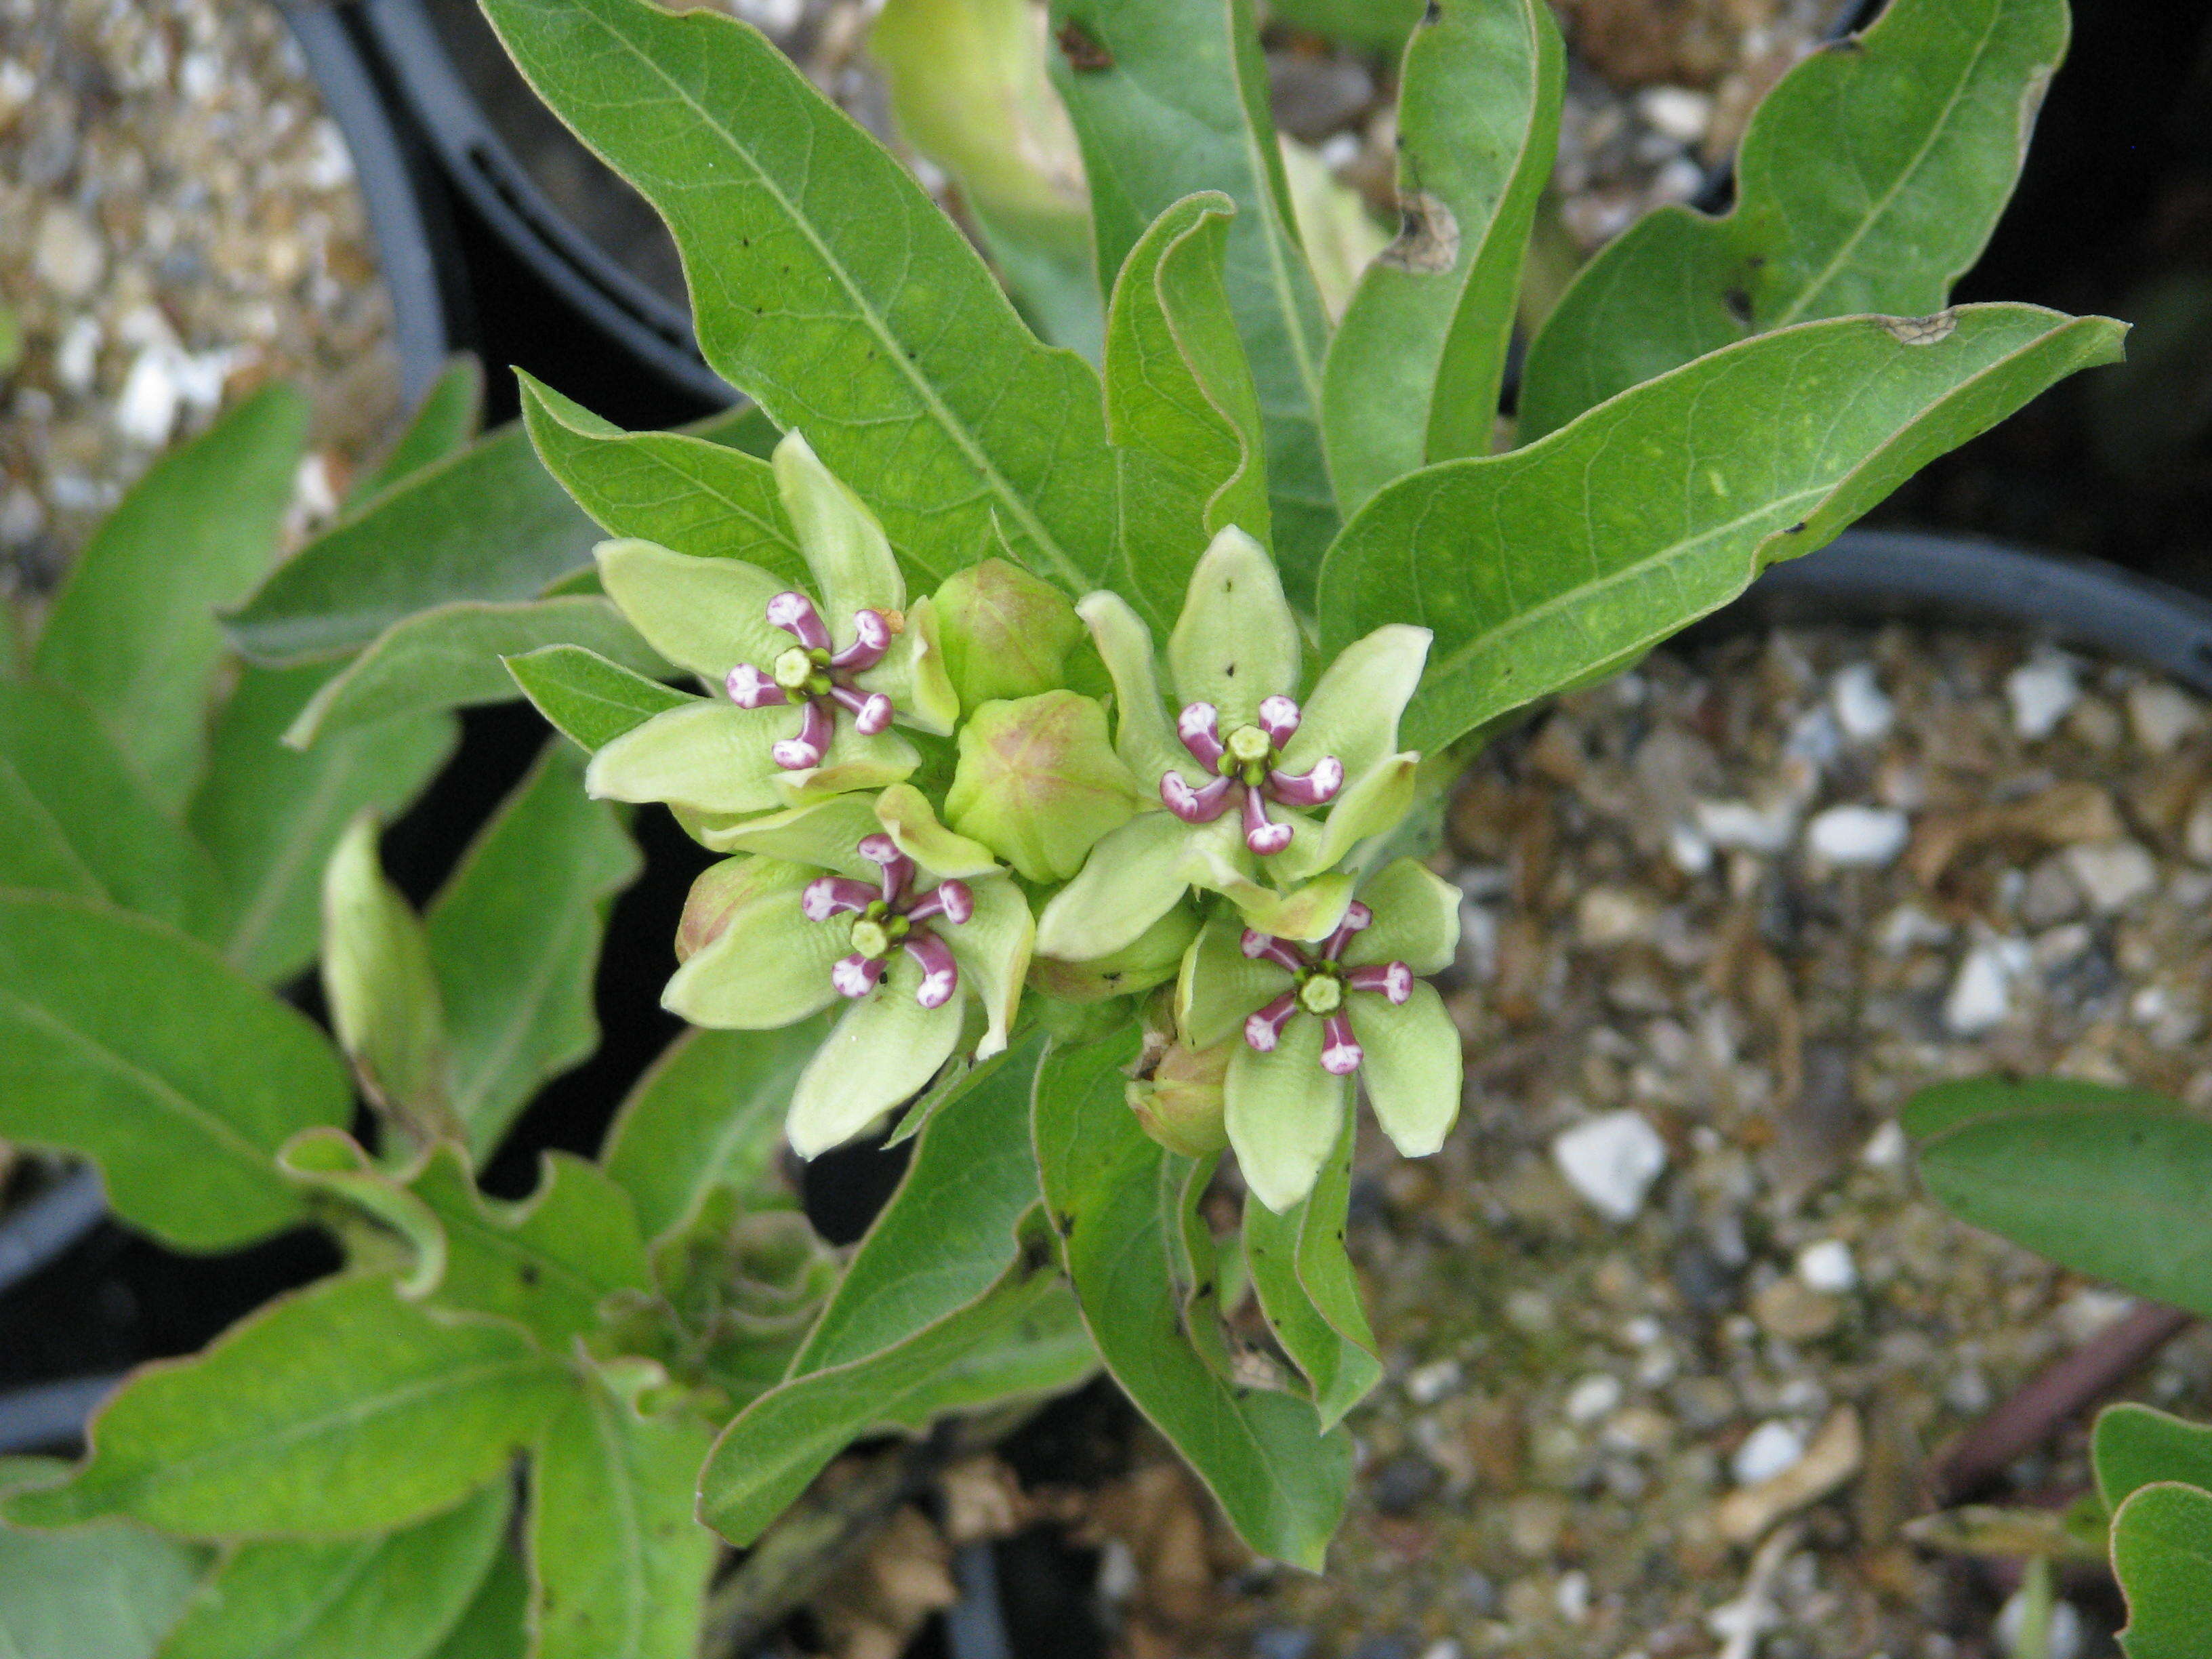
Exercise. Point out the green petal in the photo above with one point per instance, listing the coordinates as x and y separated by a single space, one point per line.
1133 877
1354 711
1413 1070
1236 641
905 814
1416 919
843 543
1144 734
767 966
1308 913
709 756
823 835
853 762
1220 985
706 615
1283 1112
1376 800
886 1049
992 949
926 699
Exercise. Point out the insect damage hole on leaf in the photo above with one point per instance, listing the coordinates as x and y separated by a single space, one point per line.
1921 331
1427 242
1085 53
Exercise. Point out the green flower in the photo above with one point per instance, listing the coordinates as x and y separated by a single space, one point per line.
872 899
1310 1017
1240 742
810 692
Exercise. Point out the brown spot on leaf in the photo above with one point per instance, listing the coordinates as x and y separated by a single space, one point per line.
1085 53
1428 236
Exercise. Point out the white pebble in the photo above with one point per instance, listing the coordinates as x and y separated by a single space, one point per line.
1427 1385
1908 928
1886 1147
1595 1396
1865 837
1607 916
68 256
1827 1266
1981 995
1815 737
1680 112
2111 874
2041 690
146 410
2162 715
1739 823
1572 1597
2062 1640
1443 1648
76 359
1862 709
1766 1451
1693 855
1612 1161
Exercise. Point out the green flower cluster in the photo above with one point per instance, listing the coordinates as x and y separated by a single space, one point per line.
929 819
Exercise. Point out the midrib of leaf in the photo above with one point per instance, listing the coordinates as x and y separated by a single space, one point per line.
217 1130
254 920
1882 204
354 1572
507 1244
1068 570
61 836
632 1555
536 987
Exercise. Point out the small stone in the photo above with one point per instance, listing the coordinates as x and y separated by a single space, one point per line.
2062 1637
2196 834
2091 1311
1792 1312
1766 1452
1827 1266
1981 995
1438 1379
1443 1648
1862 709
2161 716
1680 112
1693 855
2040 691
1533 1522
1833 1457
1607 916
1400 1484
1738 824
1859 837
2112 874
1572 1597
1638 1429
1611 1160
1907 928
2050 895
70 257
1595 1396
1282 1642
1886 1147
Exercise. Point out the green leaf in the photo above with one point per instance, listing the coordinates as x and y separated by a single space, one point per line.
444 423
544 1264
829 287
1413 373
107 1593
492 1627
2134 1446
687 493
2162 1554
15 640
270 815
1181 407
1541 568
335 1410
147 1053
450 657
587 699
394 1596
947 1234
1170 98
488 523
1020 1336
1380 26
134 630
2109 1182
1280 1478
1868 181
1307 1290
515 937
619 1564
81 820
384 1004
710 1113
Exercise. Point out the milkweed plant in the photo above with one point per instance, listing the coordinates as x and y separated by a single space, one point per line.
1063 720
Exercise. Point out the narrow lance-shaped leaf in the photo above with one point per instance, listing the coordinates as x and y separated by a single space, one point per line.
1378 25
826 284
145 1052
1539 569
1181 407
394 1596
2109 1182
2162 1555
1280 1478
619 1565
379 985
588 700
81 820
335 1411
710 1113
1307 1291
270 815
134 630
1169 97
102 1593
514 938
1868 181
687 492
449 657
1414 369
444 423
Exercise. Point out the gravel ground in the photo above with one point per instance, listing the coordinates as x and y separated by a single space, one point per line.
178 223
1671 1333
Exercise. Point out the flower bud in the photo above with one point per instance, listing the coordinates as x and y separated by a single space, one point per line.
1038 783
1151 958
1004 633
1181 1104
